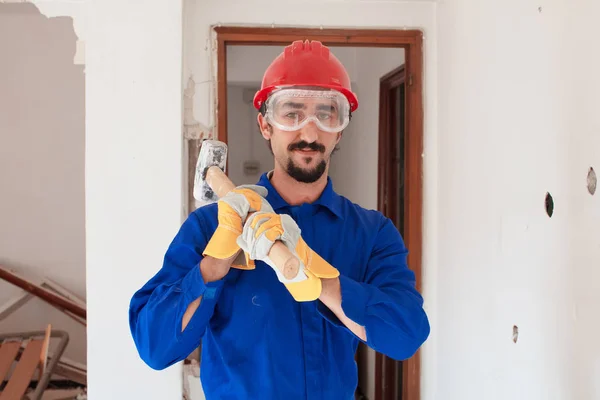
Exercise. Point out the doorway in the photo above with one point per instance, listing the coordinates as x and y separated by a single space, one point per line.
405 378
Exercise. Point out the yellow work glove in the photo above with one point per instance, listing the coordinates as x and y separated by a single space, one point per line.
233 210
262 229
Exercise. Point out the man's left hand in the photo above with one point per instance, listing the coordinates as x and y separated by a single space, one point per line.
260 232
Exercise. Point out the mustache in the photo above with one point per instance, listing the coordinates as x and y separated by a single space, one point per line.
303 145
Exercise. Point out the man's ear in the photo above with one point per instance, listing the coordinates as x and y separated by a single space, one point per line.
339 137
264 127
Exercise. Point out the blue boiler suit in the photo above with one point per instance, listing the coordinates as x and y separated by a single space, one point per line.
257 341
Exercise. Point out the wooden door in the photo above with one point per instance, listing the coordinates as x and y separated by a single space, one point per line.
391 198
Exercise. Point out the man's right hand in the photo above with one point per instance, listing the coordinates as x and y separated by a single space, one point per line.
232 212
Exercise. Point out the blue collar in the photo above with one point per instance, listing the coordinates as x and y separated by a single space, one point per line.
328 199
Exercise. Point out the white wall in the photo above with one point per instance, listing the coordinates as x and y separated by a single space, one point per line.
582 128
517 118
133 181
42 137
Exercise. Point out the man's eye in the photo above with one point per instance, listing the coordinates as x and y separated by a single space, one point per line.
324 116
292 115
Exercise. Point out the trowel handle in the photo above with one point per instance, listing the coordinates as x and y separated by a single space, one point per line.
283 258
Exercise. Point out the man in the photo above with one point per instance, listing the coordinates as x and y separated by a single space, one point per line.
263 336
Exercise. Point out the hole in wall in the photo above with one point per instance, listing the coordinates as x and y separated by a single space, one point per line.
515 333
591 181
549 202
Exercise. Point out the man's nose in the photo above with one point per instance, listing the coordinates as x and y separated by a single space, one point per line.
309 133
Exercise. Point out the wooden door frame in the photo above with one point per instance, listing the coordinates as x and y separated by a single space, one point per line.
412 42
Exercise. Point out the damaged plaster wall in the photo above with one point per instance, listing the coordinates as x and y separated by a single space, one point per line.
42 139
583 131
518 118
74 9
42 136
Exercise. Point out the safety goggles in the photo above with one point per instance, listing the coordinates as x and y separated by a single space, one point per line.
292 109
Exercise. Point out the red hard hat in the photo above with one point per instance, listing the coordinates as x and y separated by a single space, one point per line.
306 64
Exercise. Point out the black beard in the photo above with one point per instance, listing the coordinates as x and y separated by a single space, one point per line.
306 176
300 174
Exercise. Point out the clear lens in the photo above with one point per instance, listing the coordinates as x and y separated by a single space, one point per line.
292 109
